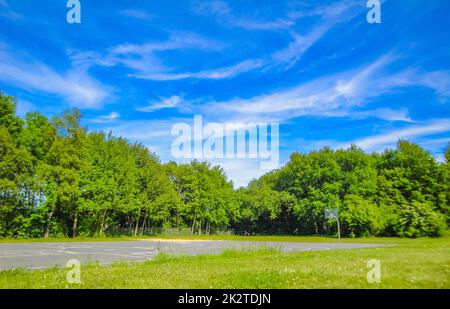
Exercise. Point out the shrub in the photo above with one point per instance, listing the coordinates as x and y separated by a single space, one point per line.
360 217
419 219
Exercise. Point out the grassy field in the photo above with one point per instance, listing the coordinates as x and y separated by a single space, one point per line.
411 263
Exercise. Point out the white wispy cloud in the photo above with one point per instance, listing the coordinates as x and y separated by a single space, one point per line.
435 143
143 62
11 15
24 107
8 13
145 131
76 86
329 17
111 117
172 102
141 59
401 114
329 14
222 11
389 139
439 81
339 95
154 134
219 73
426 134
177 40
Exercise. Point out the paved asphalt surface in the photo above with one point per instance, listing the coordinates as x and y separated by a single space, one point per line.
42 255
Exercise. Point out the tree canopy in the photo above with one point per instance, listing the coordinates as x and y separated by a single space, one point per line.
59 179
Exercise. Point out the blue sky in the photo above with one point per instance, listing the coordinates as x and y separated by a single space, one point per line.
316 67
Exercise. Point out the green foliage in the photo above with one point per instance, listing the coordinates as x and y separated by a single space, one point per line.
8 119
402 192
360 217
59 179
56 179
419 219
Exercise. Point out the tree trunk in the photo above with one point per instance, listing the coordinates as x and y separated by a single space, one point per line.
287 224
144 221
137 226
193 224
75 225
102 226
47 226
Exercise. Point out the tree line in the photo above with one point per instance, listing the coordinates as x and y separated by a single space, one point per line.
58 179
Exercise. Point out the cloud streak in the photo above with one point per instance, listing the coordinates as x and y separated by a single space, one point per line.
76 86
389 139
220 73
329 16
224 14
143 61
111 117
171 102
338 95
8 13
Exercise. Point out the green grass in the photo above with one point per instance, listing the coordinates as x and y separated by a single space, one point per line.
412 263
322 239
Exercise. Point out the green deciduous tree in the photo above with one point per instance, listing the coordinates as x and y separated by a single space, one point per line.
58 179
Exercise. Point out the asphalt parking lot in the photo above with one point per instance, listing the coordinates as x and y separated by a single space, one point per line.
48 254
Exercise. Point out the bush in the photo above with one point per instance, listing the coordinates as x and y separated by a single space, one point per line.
360 217
419 219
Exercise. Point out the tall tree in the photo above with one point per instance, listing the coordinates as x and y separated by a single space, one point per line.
61 170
